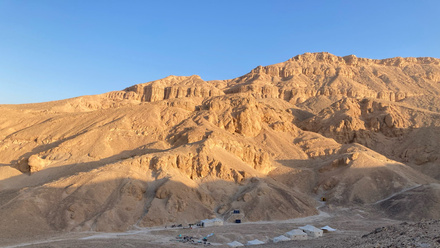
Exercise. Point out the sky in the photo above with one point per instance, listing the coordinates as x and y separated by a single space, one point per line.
52 49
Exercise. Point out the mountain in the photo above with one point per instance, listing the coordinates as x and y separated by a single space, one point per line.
358 132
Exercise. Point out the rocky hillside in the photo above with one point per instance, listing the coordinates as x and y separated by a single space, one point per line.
270 143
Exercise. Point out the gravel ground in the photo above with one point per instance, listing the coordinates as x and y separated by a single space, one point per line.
355 228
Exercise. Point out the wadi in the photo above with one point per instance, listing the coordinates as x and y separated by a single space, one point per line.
316 135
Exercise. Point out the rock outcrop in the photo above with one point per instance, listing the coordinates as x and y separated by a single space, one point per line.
349 119
309 75
168 88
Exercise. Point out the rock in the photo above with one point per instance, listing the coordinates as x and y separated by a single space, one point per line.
168 88
36 163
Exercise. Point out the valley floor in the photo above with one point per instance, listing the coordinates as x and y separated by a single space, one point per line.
351 225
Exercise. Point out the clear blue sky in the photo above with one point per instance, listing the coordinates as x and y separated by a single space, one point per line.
58 49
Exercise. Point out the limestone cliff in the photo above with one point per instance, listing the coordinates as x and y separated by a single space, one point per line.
180 149
309 75
168 88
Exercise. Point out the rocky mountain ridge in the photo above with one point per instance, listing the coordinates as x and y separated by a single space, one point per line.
306 76
271 143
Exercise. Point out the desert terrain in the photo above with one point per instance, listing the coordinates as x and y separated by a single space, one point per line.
348 142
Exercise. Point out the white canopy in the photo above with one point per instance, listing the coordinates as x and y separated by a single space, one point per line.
280 238
328 228
255 242
310 228
296 232
235 244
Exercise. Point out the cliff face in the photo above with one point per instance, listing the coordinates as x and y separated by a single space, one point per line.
168 88
309 75
181 149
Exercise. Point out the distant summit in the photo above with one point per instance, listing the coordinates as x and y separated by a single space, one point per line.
305 76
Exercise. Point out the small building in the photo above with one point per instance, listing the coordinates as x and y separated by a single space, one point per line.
255 242
312 231
211 222
280 238
235 244
296 234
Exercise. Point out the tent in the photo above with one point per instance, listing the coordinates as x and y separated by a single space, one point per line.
296 234
212 222
327 229
255 242
280 239
235 244
312 231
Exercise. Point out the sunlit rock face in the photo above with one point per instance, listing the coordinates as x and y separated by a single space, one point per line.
180 149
